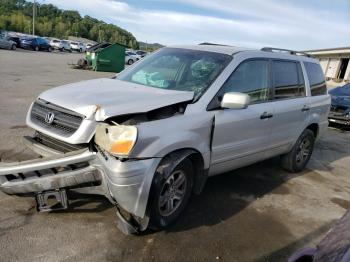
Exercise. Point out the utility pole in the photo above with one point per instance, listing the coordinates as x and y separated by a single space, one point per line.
33 17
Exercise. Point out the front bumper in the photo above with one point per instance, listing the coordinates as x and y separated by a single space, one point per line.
339 119
125 183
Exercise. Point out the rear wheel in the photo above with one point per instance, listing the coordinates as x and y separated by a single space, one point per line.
130 62
299 156
170 194
13 47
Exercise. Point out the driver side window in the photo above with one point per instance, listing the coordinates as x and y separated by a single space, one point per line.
252 78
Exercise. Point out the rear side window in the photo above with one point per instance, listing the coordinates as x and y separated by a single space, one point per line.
251 77
287 80
316 79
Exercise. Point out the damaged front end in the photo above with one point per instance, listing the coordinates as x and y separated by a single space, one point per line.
102 166
124 182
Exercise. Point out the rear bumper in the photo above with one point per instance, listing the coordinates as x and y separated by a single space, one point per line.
124 182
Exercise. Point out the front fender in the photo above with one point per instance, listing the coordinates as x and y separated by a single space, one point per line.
161 137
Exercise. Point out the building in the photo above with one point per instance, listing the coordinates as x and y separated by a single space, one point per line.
334 62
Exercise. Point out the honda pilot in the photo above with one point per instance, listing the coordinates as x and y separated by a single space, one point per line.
148 138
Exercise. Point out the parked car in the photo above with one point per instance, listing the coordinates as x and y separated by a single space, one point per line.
142 53
82 47
66 46
35 43
340 108
6 42
151 136
131 57
15 39
88 45
56 44
75 46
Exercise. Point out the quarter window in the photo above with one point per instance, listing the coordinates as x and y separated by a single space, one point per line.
316 79
251 77
287 80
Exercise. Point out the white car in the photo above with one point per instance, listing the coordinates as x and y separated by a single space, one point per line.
65 46
56 44
75 46
131 57
88 45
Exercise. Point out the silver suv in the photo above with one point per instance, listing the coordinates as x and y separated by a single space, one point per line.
150 137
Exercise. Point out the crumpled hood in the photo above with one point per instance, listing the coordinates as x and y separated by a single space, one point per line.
111 97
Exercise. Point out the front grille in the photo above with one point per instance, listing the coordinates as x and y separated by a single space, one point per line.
57 144
339 109
65 122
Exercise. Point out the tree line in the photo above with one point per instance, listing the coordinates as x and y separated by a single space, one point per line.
16 15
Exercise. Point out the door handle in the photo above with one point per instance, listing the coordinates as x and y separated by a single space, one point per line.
266 115
305 108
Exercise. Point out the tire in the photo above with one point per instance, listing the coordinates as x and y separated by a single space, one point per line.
130 62
163 193
70 50
296 160
13 47
50 49
36 48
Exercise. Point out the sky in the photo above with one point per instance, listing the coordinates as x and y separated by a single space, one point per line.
293 24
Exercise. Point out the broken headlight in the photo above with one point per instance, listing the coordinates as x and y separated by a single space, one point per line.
118 140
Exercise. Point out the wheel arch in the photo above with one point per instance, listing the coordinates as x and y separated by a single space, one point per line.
172 159
314 128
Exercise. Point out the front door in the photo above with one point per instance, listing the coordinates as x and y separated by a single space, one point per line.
241 136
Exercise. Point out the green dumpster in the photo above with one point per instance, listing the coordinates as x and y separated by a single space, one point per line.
93 49
108 59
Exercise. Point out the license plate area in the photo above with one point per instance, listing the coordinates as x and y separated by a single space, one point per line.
51 200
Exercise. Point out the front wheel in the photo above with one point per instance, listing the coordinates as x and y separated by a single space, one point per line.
130 62
36 48
170 194
13 47
50 49
296 160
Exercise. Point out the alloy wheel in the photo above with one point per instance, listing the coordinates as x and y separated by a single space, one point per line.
303 151
172 193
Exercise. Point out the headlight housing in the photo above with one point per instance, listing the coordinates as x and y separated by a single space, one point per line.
118 140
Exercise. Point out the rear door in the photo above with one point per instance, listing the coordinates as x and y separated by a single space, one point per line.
319 99
241 136
290 103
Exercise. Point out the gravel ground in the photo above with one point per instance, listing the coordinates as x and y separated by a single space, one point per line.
257 213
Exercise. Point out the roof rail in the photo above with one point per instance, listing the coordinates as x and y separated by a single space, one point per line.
208 43
292 52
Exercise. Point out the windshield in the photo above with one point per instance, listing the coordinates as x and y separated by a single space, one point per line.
178 69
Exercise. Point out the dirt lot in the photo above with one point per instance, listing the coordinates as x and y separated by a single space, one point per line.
258 213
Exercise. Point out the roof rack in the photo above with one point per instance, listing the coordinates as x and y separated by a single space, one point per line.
292 52
208 43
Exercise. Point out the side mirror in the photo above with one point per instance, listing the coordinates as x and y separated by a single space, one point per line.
234 100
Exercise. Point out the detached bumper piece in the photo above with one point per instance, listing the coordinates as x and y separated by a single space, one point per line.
43 201
51 173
